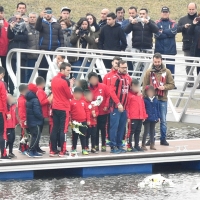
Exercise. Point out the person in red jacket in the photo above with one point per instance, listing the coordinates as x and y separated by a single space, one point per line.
11 124
3 42
107 78
3 116
62 93
44 102
136 115
100 89
79 113
92 128
21 106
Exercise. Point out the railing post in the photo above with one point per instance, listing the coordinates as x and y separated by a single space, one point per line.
18 72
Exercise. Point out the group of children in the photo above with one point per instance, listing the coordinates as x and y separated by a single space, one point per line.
34 105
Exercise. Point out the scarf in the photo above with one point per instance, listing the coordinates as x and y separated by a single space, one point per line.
156 83
19 28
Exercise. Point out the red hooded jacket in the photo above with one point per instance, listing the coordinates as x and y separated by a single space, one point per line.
11 123
22 110
44 102
3 97
4 39
61 93
101 90
79 111
136 107
107 78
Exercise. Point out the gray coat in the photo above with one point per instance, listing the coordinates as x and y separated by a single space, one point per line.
33 40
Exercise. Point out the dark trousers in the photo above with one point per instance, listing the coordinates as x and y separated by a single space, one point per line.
3 62
91 132
197 54
30 63
59 126
41 129
135 129
101 126
149 128
75 136
3 135
44 65
11 139
171 67
35 137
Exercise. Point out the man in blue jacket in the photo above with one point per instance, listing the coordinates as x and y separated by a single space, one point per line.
165 39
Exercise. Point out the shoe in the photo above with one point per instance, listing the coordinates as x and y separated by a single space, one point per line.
139 149
30 154
115 150
41 151
97 148
37 155
132 149
5 157
57 152
53 154
164 143
11 155
190 85
175 88
122 150
147 143
93 150
103 149
123 143
107 142
61 154
24 153
74 152
144 148
152 147
85 152
198 86
20 151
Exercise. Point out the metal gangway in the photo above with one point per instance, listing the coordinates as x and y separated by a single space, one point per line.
183 103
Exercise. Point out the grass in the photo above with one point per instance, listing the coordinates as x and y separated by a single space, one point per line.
79 8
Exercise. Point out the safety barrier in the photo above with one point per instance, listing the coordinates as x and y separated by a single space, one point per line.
179 100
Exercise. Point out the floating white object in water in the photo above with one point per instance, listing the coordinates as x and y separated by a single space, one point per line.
155 181
82 182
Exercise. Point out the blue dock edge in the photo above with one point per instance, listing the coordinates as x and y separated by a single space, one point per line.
100 170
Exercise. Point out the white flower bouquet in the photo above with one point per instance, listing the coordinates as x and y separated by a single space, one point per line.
75 127
98 101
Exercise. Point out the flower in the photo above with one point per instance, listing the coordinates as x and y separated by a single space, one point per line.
98 101
75 127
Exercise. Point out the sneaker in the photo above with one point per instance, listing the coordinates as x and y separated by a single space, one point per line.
11 155
132 149
164 143
41 151
20 151
144 148
122 150
85 152
139 149
107 142
123 143
115 150
74 152
24 153
53 154
5 157
37 155
30 154
93 150
61 154
57 152
147 143
97 148
103 149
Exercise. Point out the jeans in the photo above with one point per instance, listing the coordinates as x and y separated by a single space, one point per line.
163 123
30 63
117 127
171 67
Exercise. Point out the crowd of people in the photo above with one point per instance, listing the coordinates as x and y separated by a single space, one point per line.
90 107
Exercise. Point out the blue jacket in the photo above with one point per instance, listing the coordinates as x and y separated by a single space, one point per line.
166 42
33 110
152 109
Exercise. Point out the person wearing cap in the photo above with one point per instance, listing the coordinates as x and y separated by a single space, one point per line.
184 24
65 14
3 41
161 79
165 42
51 36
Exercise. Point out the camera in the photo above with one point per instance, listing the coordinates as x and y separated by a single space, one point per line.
82 32
139 19
49 12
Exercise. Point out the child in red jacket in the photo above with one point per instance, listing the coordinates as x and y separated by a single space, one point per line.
92 128
11 124
136 115
44 102
79 113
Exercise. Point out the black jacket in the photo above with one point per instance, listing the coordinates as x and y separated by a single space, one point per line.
51 36
112 38
102 23
187 39
142 34
33 110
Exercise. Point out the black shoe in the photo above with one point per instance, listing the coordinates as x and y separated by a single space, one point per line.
11 155
175 88
190 85
164 143
41 151
138 149
147 143
5 157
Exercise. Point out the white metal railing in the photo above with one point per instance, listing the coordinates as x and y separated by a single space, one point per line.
96 57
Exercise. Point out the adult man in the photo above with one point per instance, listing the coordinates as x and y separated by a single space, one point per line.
51 36
65 14
119 88
62 93
183 25
161 79
142 32
107 78
103 20
165 39
112 37
33 43
120 12
3 42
